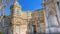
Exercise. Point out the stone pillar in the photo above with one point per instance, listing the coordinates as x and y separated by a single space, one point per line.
57 11
46 22
14 30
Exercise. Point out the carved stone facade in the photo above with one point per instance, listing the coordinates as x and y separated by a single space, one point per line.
46 20
27 22
52 15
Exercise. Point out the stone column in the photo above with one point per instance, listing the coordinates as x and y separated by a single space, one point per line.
14 29
46 22
57 11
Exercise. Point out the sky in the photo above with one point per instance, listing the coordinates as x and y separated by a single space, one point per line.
26 5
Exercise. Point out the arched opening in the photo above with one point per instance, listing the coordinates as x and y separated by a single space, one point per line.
52 19
34 29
